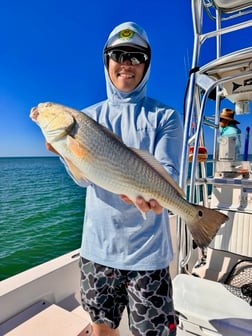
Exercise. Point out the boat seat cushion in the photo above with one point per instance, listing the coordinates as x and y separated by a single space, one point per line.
232 5
211 305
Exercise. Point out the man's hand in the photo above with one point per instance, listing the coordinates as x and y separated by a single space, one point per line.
143 205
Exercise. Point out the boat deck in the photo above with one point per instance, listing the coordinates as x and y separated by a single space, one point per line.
47 319
52 319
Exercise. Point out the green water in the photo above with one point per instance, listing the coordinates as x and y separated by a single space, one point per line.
41 212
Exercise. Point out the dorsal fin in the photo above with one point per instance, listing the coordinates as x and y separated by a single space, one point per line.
153 162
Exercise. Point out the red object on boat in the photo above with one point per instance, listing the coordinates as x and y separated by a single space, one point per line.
202 154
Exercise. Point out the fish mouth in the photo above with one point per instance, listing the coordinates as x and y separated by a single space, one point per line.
34 113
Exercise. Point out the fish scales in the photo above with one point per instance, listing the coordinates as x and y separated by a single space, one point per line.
95 153
117 160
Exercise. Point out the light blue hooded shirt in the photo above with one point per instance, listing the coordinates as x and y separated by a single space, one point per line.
232 130
114 233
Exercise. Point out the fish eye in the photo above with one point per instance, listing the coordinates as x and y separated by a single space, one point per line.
200 213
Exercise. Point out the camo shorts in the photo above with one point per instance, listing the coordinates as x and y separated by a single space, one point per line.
105 292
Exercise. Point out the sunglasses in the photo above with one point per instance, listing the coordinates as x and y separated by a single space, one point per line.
120 56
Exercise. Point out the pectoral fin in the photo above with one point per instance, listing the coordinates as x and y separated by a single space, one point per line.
76 148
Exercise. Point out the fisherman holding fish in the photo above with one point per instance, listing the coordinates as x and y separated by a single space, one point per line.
128 167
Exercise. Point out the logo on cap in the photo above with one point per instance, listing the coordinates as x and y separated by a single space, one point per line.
126 34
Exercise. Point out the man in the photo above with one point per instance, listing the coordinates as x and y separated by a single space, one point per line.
124 258
228 127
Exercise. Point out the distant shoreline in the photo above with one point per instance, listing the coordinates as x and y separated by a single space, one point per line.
29 157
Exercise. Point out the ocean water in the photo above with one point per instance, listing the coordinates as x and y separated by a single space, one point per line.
41 212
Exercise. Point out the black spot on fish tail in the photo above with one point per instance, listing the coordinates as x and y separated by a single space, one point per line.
206 225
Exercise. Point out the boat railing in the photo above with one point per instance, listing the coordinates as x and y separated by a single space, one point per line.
200 296
194 190
214 77
197 136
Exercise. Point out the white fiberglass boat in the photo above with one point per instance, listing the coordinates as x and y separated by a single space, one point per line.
212 287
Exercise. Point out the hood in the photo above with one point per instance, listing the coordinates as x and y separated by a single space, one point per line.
140 39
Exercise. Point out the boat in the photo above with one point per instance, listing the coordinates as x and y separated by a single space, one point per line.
212 286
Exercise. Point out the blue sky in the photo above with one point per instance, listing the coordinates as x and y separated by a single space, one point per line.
52 51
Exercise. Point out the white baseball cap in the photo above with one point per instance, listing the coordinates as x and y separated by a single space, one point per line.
128 34
127 37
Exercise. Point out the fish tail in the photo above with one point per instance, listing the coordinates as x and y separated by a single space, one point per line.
206 226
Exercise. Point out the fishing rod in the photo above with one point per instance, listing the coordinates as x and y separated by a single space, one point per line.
246 144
